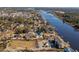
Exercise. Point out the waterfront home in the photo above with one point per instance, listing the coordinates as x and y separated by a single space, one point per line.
44 44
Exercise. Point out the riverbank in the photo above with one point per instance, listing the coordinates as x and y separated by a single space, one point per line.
63 29
69 18
62 40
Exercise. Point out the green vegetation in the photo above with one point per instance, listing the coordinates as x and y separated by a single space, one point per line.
19 20
20 30
71 18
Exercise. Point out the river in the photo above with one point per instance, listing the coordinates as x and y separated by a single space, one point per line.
68 32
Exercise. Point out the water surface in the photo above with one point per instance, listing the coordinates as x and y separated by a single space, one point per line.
64 29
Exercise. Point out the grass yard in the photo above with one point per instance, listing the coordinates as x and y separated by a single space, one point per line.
22 44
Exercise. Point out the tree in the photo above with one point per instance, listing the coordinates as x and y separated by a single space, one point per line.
20 20
20 30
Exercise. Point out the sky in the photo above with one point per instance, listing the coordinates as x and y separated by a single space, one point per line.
39 3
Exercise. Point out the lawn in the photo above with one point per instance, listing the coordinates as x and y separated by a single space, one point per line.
22 44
